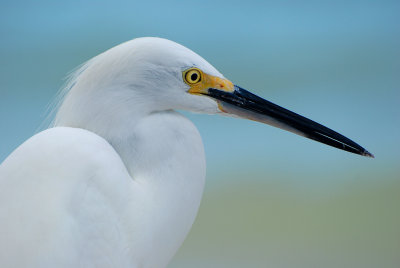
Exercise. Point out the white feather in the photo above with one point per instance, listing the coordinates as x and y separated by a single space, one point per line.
118 181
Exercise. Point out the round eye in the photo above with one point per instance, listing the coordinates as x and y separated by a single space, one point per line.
192 76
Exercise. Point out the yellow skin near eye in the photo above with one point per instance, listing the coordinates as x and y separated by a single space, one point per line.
204 81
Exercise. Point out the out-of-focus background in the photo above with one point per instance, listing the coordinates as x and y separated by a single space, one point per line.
272 199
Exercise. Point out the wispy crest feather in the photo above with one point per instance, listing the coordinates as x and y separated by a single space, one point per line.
54 105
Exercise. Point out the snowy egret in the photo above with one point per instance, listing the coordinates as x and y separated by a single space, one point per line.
118 180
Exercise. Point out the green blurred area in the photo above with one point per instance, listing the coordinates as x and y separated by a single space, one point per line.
273 199
276 225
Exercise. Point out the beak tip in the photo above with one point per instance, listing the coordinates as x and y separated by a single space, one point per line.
368 154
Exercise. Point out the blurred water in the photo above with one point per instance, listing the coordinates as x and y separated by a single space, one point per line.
276 225
337 62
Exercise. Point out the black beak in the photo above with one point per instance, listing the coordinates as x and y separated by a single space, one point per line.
244 104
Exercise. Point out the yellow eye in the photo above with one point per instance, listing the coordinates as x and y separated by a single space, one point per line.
192 76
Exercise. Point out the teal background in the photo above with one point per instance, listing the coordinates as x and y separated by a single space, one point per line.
272 199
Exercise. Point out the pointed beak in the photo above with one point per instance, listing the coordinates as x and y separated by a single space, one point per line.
240 102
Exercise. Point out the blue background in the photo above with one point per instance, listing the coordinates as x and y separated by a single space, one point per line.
272 198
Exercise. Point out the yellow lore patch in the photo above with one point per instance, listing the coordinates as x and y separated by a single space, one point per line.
200 82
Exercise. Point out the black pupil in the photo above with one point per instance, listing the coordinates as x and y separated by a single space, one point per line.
193 77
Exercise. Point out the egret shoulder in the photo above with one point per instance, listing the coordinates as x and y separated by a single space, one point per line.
79 175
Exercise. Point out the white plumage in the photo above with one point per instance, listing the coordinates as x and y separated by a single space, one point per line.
120 184
118 180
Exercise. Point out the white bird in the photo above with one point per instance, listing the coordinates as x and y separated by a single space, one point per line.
118 180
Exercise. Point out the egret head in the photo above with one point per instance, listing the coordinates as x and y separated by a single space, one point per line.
148 75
